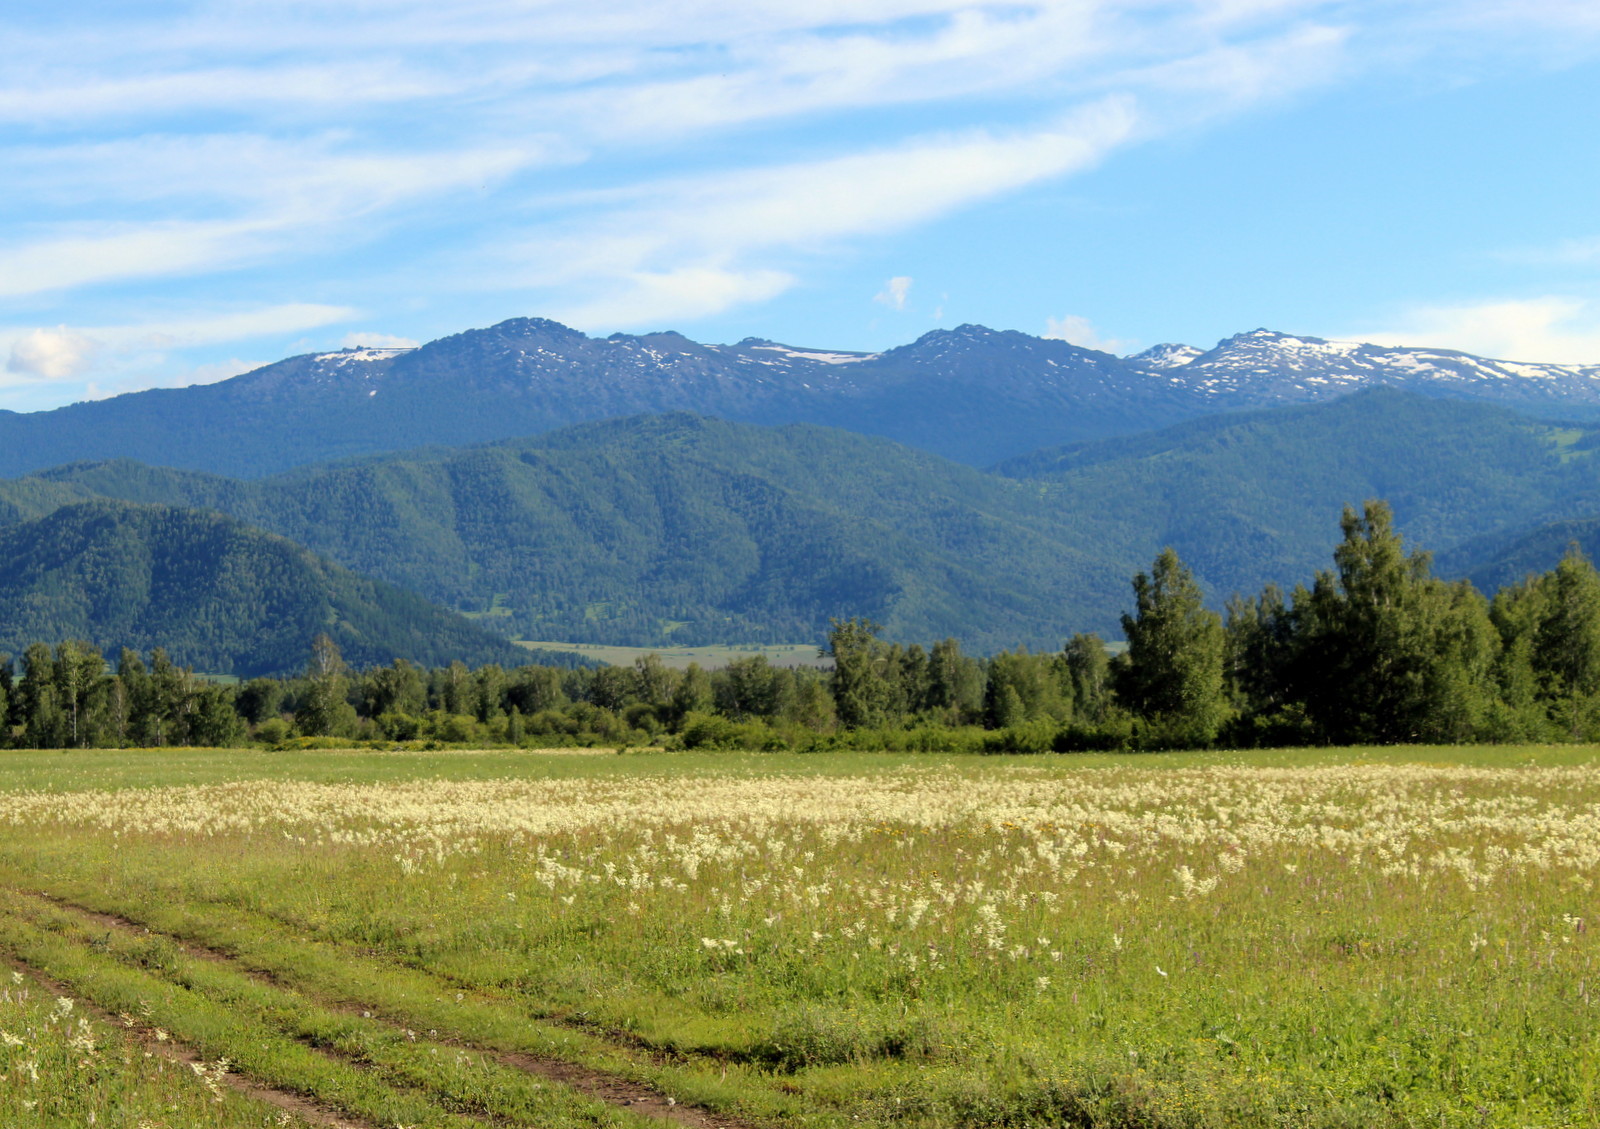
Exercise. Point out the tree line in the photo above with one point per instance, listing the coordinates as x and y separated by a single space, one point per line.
1374 650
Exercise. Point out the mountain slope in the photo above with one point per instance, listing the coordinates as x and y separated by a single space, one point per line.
1495 561
1255 497
679 528
217 594
971 394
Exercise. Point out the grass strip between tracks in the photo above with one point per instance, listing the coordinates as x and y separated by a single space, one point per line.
336 975
362 1066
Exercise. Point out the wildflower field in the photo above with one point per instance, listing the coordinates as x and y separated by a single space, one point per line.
1397 937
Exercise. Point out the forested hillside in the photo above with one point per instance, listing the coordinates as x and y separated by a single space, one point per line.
1243 498
678 528
216 594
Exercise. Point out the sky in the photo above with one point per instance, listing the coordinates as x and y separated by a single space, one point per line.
193 189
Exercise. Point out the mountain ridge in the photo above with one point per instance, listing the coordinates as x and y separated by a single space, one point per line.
972 394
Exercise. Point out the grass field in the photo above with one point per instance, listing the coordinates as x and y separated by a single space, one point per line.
709 657
1396 937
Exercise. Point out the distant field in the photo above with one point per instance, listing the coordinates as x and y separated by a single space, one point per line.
709 658
1377 937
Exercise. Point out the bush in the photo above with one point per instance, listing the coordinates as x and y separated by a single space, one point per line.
273 731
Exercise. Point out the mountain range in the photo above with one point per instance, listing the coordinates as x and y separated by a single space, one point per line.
678 528
970 394
527 481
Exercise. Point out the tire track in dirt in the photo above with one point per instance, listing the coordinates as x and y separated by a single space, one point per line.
611 1089
176 1051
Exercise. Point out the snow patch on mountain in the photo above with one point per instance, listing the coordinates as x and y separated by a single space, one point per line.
823 358
1165 356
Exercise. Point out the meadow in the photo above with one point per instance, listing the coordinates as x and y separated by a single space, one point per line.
1359 937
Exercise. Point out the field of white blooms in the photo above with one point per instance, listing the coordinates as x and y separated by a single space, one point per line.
940 943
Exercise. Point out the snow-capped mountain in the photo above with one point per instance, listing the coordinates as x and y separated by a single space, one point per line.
1263 367
971 393
1164 356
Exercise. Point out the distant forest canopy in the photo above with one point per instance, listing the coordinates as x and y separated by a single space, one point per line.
215 594
1376 650
671 530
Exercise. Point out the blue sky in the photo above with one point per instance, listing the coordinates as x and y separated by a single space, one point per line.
193 189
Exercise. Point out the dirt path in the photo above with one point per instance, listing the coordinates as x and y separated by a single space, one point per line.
612 1089
176 1051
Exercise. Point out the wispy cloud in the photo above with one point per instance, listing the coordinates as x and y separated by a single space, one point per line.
684 246
1551 329
895 292
110 353
1080 331
538 149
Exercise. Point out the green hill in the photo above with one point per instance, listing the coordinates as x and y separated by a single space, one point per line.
676 529
1255 497
218 595
1493 562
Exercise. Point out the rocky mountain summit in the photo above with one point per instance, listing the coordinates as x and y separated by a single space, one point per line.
970 393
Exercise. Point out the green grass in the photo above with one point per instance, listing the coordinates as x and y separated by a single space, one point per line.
710 657
1371 937
62 1066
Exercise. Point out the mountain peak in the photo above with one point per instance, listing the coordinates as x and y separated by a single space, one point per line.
1167 355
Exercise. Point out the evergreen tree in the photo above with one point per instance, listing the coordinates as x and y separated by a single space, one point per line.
693 694
1549 664
489 687
167 699
1172 673
533 689
750 687
1386 652
262 698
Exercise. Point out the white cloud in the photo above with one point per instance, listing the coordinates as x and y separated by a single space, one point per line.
121 357
52 354
664 244
376 341
283 198
895 292
1080 331
330 126
650 296
1553 330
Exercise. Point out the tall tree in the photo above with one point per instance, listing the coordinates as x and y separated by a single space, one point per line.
325 711
862 693
1172 672
1088 668
38 702
1388 652
1549 629
78 670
